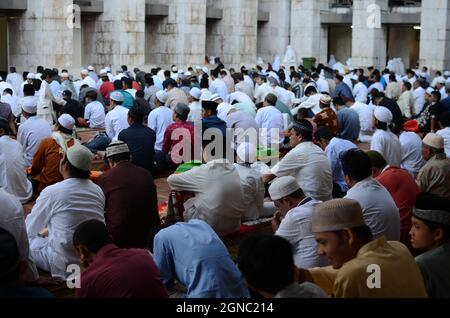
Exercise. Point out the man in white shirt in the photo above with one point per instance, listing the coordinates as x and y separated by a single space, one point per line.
292 221
261 88
444 120
14 79
12 220
271 123
419 97
322 84
13 178
29 81
440 86
94 112
242 86
251 182
46 98
383 140
406 101
218 86
307 163
32 131
194 104
160 118
117 118
365 113
8 97
360 90
379 210
59 209
87 80
411 147
220 204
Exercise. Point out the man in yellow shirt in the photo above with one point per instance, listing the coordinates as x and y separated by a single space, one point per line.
360 266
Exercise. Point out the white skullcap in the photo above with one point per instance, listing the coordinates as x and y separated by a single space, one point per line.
174 69
429 90
66 121
65 74
80 157
383 114
205 69
85 72
29 105
246 152
447 73
117 96
162 96
336 215
440 80
198 67
90 68
195 92
282 187
223 110
215 97
31 76
434 140
103 72
325 99
117 148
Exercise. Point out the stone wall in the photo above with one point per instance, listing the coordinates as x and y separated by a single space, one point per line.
178 38
435 34
274 36
369 39
308 37
40 36
233 38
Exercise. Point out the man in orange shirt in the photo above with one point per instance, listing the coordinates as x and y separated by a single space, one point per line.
45 166
327 117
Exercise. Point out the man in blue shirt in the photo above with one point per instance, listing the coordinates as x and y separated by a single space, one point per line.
333 147
211 121
194 255
342 90
140 139
128 100
348 120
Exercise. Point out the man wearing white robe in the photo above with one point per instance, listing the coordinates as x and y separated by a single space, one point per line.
307 163
12 220
383 140
13 177
271 123
31 133
212 202
59 209
419 97
14 79
46 99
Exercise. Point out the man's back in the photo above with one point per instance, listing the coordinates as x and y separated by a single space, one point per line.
121 273
379 210
12 174
310 166
194 255
62 207
349 124
116 121
403 189
158 120
141 142
131 204
30 134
